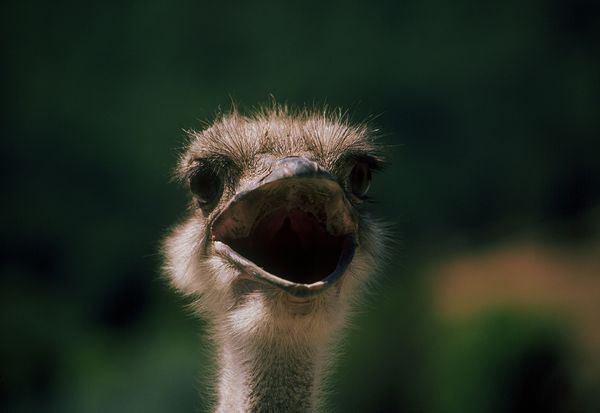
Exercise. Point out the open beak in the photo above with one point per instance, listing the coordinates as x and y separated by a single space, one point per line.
294 228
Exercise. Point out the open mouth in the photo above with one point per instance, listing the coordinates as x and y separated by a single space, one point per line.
297 233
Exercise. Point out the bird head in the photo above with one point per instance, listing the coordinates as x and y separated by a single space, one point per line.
277 212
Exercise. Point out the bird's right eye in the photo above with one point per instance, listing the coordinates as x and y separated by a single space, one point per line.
360 179
207 186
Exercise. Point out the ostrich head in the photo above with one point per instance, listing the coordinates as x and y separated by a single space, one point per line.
278 242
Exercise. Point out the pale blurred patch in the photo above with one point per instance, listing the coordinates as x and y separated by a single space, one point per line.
556 281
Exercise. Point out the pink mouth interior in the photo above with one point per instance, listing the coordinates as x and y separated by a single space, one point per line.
291 244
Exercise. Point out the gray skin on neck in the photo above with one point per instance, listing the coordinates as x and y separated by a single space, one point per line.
275 333
268 378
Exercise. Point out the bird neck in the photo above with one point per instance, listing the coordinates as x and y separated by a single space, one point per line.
269 375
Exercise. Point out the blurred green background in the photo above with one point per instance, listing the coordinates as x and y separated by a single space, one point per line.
492 114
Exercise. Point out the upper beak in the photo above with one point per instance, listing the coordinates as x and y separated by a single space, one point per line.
296 167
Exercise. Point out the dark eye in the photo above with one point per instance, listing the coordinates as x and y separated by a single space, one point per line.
206 185
360 179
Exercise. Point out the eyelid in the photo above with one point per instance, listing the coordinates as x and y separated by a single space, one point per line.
375 163
216 163
223 166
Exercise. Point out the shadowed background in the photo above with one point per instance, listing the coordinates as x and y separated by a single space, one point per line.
492 113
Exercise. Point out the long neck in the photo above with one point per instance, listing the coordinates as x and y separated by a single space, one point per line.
269 375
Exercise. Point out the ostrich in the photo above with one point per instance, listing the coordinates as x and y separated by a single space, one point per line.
277 246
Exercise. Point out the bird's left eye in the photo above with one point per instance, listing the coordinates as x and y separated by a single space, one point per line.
207 186
360 179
